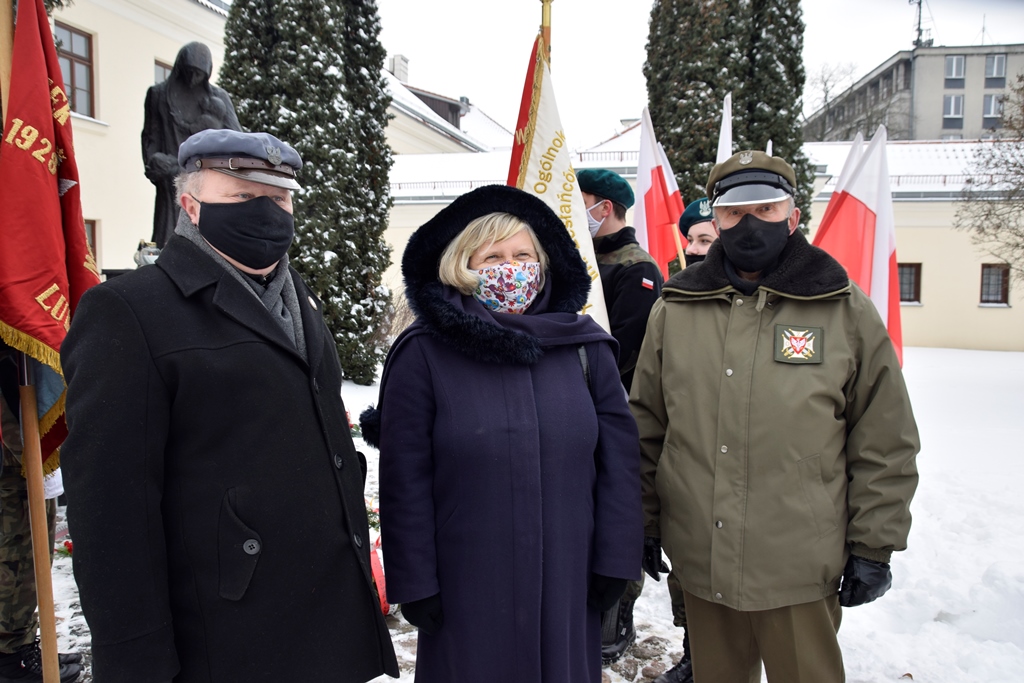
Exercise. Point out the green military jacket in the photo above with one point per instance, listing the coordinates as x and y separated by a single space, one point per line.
776 431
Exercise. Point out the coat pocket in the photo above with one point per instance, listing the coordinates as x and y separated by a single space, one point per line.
239 549
822 509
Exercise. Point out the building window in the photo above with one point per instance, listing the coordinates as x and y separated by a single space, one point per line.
161 72
953 111
74 52
995 66
995 283
910 282
954 66
993 106
951 136
90 235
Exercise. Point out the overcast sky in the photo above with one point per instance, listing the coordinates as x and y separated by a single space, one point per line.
480 48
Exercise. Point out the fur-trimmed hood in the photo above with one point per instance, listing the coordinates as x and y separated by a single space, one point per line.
445 313
804 271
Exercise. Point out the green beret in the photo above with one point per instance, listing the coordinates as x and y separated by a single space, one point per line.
697 212
750 177
606 184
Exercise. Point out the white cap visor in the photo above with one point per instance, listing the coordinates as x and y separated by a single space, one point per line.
263 177
751 194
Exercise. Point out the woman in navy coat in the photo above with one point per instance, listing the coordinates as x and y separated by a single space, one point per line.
509 462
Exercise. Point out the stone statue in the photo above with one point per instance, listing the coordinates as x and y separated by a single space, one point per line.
184 104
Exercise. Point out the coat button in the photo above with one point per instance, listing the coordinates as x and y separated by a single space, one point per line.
251 547
718 524
739 302
728 373
725 449
338 461
358 540
718 596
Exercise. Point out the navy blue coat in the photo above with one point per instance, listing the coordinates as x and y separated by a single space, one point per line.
505 481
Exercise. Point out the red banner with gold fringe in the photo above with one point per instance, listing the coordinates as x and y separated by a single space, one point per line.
45 262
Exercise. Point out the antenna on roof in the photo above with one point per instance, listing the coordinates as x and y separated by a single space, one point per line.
918 42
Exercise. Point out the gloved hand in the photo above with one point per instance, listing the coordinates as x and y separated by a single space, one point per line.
652 562
425 614
863 581
604 591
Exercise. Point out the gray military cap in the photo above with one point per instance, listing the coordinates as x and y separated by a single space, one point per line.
257 157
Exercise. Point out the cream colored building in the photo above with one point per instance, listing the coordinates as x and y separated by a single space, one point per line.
945 306
116 47
114 50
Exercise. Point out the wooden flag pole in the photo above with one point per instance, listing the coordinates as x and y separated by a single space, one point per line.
679 248
31 455
545 26
6 53
32 460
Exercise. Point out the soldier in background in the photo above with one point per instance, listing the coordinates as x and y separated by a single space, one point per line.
20 658
632 283
700 234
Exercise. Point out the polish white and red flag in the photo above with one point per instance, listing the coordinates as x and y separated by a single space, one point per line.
659 204
859 230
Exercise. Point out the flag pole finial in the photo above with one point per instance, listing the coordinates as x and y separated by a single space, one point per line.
545 26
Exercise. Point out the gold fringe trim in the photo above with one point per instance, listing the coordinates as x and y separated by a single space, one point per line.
538 82
28 344
47 421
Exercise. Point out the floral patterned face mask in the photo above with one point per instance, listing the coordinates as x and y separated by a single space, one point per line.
508 287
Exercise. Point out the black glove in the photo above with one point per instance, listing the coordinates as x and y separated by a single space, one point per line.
604 591
425 614
863 581
652 562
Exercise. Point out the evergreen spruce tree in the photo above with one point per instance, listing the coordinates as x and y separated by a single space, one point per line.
308 71
771 90
698 51
690 50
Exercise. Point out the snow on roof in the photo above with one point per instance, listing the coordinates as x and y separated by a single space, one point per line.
482 128
417 178
928 169
217 6
918 169
406 102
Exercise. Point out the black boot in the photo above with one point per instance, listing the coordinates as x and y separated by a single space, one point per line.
26 666
617 631
681 672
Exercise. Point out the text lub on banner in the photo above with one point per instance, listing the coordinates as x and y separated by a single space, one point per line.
859 230
541 165
45 261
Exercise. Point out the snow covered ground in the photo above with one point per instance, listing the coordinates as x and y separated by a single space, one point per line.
955 613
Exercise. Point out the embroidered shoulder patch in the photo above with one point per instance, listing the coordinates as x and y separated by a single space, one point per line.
798 344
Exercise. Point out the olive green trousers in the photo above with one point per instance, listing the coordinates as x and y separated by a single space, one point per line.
797 644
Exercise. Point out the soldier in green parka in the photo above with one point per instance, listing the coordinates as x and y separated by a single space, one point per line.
777 438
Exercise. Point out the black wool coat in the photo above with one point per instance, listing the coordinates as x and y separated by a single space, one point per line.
214 494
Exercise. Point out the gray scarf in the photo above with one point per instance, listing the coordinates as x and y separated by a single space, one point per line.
278 297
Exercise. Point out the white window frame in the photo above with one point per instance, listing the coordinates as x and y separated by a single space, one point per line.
992 107
952 106
952 62
995 66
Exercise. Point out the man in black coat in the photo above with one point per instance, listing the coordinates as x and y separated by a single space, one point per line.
214 494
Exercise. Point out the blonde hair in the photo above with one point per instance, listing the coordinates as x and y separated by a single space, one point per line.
453 269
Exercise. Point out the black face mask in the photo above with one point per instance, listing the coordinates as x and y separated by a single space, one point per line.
256 233
691 259
753 244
